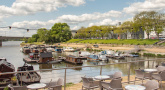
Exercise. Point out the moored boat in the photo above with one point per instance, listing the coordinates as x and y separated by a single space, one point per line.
28 77
74 59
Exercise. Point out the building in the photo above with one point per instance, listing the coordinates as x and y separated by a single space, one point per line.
45 57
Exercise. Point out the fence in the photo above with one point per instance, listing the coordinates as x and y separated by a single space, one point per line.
68 74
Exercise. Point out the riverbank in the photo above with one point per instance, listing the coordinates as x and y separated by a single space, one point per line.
146 48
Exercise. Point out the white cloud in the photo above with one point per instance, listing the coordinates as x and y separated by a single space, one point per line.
70 19
147 5
105 22
24 7
75 28
86 17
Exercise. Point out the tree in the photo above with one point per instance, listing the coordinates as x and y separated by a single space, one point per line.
149 21
60 32
36 37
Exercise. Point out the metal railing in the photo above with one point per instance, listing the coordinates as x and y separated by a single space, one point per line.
100 71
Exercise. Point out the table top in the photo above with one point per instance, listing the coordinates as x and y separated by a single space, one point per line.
101 77
135 87
150 70
36 86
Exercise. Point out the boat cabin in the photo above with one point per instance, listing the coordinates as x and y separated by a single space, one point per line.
45 57
33 55
35 51
3 59
59 50
6 67
74 59
93 57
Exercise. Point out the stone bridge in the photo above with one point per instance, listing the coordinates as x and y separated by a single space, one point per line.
10 38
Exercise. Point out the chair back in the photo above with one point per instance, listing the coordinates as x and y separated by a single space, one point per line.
160 68
85 81
139 73
116 83
151 85
60 81
117 75
162 75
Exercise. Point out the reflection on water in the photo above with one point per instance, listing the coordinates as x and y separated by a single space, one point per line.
11 51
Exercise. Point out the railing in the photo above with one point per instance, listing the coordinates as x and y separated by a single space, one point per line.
65 74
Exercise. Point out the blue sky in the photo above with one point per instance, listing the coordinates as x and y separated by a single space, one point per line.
77 13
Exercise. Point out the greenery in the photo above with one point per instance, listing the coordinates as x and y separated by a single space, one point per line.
69 84
60 32
147 21
161 56
6 88
114 41
149 54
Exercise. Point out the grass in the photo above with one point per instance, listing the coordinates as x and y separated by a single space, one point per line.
36 43
115 41
69 84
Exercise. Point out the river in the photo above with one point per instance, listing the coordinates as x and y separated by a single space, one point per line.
11 51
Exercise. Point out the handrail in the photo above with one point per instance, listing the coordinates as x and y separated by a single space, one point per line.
79 66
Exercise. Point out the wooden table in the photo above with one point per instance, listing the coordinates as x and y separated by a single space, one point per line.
135 87
36 86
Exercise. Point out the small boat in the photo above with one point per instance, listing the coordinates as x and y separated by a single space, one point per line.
54 61
58 50
26 50
103 57
93 57
68 49
28 77
73 59
32 58
3 59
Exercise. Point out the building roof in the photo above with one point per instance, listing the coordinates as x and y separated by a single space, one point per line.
46 54
3 62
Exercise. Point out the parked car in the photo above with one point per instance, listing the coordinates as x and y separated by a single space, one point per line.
96 46
28 77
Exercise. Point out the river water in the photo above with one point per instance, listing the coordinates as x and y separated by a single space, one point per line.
11 51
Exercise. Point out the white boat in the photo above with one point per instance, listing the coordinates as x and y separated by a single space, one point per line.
102 57
68 49
50 49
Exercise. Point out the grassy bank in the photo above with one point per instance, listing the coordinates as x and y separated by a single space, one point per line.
36 43
115 41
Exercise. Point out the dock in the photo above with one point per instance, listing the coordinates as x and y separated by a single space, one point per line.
28 60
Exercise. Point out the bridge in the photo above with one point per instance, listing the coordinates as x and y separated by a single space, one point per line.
10 38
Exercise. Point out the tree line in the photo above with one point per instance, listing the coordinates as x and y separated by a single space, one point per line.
147 21
60 32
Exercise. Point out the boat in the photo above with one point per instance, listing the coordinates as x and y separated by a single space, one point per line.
73 59
32 58
26 50
45 57
93 57
6 67
68 49
103 57
50 49
54 61
28 77
58 50
3 59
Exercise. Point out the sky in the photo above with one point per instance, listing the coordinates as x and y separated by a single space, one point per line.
35 14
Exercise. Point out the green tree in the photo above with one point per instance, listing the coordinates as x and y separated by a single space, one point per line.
60 32
36 37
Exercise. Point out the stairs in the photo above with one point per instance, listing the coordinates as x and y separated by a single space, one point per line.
159 42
